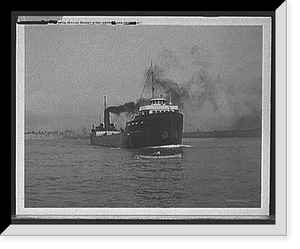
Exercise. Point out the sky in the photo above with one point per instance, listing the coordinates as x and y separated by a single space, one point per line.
69 69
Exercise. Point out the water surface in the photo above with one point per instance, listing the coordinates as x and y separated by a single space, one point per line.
213 172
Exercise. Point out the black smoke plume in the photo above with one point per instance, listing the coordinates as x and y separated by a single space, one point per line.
208 100
129 107
179 95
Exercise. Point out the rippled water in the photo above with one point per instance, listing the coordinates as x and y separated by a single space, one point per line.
219 172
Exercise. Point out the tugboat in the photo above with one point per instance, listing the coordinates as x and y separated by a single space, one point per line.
157 123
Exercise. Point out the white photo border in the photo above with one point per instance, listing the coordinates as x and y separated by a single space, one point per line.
101 213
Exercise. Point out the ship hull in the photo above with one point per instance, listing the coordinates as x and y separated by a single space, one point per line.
114 140
145 131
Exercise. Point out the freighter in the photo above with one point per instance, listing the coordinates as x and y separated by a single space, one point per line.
157 123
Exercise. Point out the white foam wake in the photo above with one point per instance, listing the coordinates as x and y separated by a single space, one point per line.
171 146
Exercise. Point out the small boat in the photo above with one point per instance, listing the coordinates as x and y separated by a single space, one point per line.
159 156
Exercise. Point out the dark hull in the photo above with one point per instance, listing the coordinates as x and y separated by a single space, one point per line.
146 130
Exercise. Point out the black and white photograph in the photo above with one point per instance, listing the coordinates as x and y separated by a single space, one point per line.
142 116
162 119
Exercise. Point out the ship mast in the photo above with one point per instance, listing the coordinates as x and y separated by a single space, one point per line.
152 79
151 74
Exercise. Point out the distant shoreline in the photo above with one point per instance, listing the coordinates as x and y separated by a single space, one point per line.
231 133
50 135
54 138
197 134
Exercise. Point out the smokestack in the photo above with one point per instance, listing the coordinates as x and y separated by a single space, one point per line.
106 119
106 116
